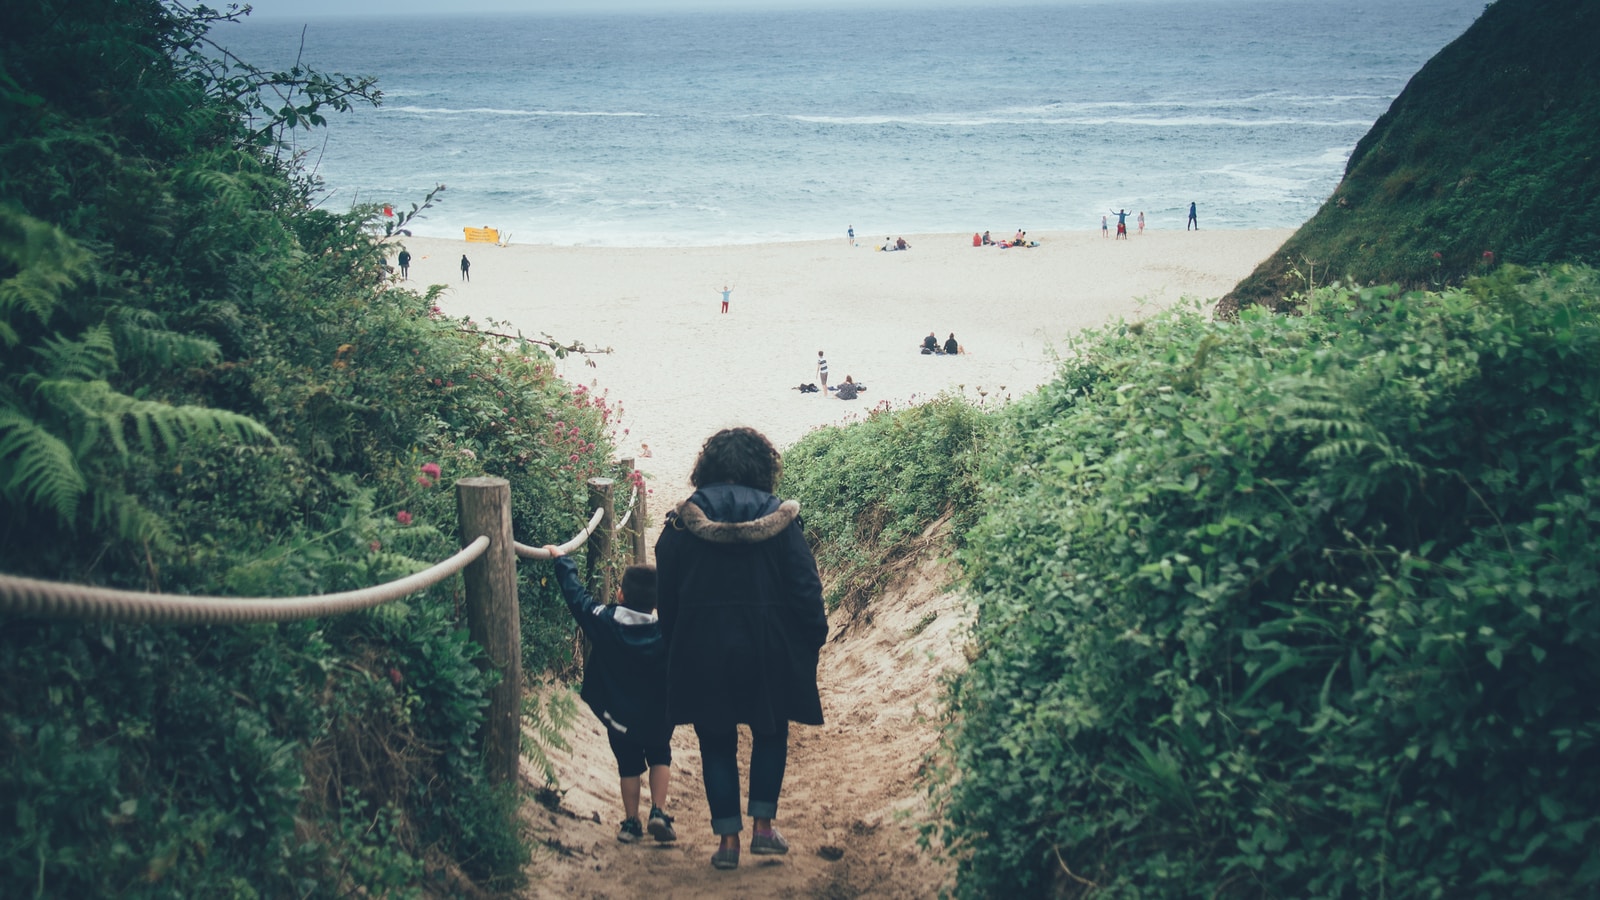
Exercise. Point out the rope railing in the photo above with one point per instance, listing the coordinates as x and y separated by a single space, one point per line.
486 563
55 600
633 506
578 540
49 599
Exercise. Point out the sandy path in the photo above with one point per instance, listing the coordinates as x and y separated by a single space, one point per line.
852 800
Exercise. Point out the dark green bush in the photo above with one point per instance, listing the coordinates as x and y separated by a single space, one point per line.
210 385
1294 607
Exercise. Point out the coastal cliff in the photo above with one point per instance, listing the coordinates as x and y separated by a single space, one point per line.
1487 157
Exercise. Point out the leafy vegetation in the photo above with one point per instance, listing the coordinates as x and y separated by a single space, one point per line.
1488 156
1293 607
211 385
869 491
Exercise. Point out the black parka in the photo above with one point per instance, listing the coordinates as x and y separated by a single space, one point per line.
741 607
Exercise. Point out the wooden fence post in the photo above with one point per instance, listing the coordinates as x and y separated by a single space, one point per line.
600 543
483 506
636 523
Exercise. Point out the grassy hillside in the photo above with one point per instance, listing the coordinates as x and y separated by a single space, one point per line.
1490 155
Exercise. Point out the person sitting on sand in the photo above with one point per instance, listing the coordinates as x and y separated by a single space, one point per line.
930 344
900 244
1020 239
951 348
849 389
987 241
888 244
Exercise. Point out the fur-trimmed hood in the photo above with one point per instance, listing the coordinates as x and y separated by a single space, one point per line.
733 514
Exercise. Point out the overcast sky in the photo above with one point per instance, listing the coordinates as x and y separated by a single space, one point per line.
308 9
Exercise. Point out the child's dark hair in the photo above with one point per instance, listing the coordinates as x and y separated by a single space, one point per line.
738 456
639 588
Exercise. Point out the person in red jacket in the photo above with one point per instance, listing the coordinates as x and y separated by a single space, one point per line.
741 607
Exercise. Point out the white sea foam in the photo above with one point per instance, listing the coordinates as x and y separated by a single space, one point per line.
491 111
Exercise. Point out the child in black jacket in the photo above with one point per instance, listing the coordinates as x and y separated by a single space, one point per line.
625 683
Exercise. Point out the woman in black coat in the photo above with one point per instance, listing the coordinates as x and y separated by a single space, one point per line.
741 607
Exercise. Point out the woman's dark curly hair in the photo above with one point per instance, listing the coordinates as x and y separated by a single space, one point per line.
738 456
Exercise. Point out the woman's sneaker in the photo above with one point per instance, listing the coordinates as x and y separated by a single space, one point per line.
768 843
661 826
631 831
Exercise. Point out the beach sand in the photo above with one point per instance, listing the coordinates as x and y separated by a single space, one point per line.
681 369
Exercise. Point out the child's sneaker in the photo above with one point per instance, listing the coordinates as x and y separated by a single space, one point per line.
768 843
631 831
661 826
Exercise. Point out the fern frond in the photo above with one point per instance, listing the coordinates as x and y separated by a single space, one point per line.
46 261
142 338
37 468
92 356
545 726
100 413
227 191
1342 449
127 518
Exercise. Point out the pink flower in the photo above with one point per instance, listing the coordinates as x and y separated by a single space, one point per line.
430 469
1438 255
403 517
574 457
425 481
375 546
1488 256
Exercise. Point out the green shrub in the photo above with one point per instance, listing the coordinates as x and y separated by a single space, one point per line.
1294 607
869 490
209 385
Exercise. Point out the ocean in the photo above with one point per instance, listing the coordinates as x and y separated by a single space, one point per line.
716 128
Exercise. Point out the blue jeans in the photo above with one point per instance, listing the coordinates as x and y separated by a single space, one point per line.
719 767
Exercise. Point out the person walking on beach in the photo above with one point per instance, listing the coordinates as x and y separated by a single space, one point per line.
1105 227
466 268
850 235
404 259
624 683
822 372
725 292
1192 219
741 607
1141 221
